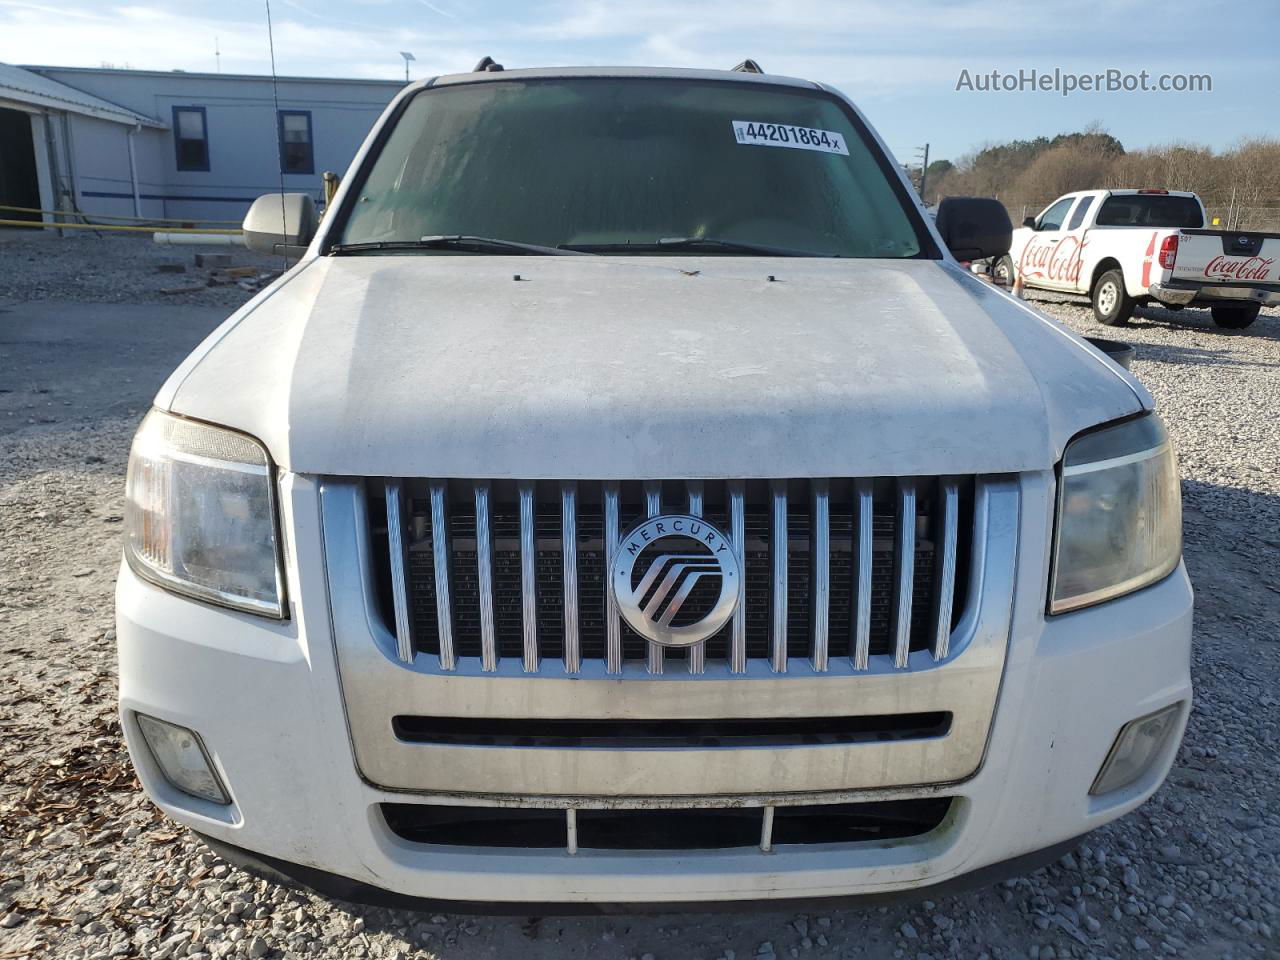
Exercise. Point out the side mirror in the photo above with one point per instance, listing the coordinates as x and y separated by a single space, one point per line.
1029 222
280 220
974 228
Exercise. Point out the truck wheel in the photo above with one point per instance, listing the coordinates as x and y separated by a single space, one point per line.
1002 271
1112 305
1235 318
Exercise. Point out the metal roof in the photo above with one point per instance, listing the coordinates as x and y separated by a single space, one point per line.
202 75
32 89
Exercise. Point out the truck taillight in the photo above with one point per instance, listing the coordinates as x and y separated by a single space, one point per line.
1168 251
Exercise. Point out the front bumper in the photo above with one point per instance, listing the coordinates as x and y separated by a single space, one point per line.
1182 293
267 700
355 891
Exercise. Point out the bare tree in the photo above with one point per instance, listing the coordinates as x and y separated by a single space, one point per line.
1027 174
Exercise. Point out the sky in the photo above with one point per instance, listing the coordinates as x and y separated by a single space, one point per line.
901 63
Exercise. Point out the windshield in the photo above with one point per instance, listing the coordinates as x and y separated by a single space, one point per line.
1149 210
613 165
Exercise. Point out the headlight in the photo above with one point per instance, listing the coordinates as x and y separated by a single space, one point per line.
200 514
1119 514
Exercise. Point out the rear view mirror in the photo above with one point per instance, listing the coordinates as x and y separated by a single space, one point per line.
974 228
280 220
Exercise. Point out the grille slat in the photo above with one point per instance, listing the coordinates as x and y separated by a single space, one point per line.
484 581
505 569
569 575
864 529
528 579
698 652
779 555
613 623
737 532
904 563
820 579
652 508
947 573
440 556
397 537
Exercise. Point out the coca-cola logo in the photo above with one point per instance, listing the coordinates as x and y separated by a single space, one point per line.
1059 262
1237 268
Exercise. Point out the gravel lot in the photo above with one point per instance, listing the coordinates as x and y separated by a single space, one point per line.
115 268
89 869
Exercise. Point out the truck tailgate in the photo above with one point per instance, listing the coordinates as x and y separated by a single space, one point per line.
1229 257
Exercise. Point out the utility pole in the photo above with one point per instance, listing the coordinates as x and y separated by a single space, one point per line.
407 57
924 168
217 54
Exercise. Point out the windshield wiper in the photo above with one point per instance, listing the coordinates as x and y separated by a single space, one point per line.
452 242
692 243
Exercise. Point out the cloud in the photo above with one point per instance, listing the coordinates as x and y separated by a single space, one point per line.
901 63
308 42
874 46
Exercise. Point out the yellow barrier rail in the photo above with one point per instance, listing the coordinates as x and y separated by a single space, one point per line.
107 216
37 224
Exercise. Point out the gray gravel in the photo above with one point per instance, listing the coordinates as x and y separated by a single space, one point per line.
115 268
88 869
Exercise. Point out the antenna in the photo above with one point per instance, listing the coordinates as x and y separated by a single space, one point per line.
275 98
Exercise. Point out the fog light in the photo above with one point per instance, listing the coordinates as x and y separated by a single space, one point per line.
1137 745
182 758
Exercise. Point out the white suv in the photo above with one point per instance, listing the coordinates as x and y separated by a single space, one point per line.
629 499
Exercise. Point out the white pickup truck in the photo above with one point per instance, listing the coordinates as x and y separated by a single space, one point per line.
628 499
1128 247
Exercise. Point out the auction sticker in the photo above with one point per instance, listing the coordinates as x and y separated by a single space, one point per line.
785 135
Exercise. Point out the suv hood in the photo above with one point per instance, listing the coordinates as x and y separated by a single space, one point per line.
621 367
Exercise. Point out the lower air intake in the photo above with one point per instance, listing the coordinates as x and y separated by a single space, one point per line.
677 829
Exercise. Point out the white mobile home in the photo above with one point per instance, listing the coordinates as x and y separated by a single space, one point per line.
173 144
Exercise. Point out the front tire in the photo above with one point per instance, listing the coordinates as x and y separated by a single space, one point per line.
1235 318
1002 271
1112 305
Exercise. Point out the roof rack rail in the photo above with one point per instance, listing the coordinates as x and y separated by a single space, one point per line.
488 65
748 66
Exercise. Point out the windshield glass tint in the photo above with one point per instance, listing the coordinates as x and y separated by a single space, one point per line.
1149 210
615 161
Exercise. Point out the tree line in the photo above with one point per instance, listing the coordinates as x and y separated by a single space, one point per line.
1240 186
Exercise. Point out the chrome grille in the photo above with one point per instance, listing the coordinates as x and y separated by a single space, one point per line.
863 570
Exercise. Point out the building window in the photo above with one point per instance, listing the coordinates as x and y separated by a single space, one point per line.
296 154
191 138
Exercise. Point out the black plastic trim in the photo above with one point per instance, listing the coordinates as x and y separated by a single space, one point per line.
669 734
